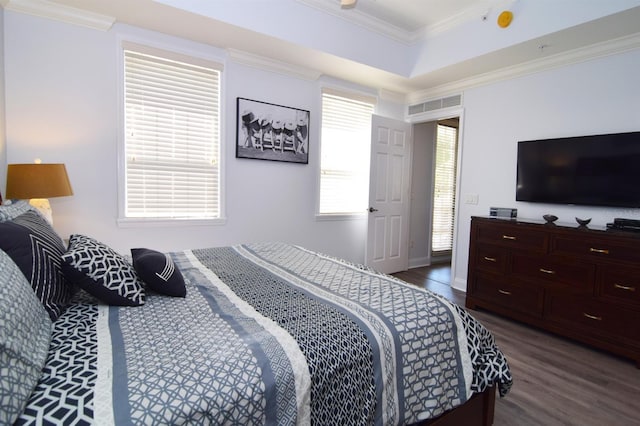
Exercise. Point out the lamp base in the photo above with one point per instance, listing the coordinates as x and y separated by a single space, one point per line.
43 206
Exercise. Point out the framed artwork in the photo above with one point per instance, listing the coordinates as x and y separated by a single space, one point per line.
267 131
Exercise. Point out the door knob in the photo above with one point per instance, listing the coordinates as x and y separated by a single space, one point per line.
371 210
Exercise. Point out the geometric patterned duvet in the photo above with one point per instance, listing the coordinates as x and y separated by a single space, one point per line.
268 333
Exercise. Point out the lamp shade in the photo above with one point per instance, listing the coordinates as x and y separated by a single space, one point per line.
26 181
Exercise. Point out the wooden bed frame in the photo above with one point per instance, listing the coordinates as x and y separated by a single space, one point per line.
477 411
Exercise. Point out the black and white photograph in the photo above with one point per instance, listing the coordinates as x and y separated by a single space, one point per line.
273 132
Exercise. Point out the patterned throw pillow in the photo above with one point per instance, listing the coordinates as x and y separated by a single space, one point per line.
102 272
158 271
12 209
25 335
37 250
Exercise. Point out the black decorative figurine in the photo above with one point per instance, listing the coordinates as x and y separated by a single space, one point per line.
583 222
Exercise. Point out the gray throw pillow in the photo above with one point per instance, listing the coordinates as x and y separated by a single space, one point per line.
25 335
12 209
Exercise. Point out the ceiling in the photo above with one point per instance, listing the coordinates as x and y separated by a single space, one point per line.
410 16
402 47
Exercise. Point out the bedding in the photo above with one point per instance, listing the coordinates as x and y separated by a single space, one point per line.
266 333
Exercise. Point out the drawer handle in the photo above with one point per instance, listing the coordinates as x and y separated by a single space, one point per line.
505 292
547 271
593 317
508 237
624 287
490 259
595 250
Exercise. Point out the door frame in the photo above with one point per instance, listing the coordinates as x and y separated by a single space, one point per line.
442 114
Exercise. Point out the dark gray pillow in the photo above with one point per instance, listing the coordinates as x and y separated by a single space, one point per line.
158 271
25 335
102 272
37 250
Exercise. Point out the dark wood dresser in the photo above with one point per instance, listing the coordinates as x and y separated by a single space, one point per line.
582 283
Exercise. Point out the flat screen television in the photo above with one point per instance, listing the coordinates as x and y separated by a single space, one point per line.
596 170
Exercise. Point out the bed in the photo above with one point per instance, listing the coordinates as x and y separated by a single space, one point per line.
263 333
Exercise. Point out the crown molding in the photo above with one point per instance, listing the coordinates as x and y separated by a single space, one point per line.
584 54
58 12
389 95
267 64
481 12
355 16
362 19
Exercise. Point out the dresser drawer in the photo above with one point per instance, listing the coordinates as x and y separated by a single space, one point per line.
491 258
569 274
512 235
594 317
619 284
527 299
596 248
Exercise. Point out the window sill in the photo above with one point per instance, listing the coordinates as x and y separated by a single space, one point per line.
341 216
165 222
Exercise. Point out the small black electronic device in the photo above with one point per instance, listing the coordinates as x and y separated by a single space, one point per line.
626 222
503 212
621 224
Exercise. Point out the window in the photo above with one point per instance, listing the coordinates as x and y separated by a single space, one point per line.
171 135
346 147
444 198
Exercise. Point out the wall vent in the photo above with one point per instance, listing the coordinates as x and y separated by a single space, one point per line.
435 104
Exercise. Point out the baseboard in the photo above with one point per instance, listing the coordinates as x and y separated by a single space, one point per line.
419 262
459 284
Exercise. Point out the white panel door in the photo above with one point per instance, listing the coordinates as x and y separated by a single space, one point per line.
389 187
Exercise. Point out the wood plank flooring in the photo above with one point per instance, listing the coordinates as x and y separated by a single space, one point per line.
556 381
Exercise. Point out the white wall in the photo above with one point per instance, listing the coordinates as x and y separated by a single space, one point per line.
424 136
594 97
62 103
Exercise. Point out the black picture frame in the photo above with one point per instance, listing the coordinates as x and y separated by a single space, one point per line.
266 131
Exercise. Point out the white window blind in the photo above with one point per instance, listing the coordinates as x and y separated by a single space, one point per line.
172 119
444 199
346 146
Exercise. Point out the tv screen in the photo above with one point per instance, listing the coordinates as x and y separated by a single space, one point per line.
597 170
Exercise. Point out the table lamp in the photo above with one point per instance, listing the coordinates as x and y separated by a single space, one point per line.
37 183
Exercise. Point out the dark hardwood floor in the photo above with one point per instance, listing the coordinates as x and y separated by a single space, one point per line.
556 381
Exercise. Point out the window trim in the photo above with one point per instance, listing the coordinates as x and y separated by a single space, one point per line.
169 52
328 217
356 96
